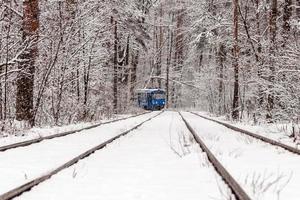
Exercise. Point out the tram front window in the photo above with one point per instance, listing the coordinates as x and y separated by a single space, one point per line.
158 96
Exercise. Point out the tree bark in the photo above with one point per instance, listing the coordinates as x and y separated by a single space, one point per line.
169 58
179 52
273 30
133 77
221 60
235 104
259 57
160 46
115 66
286 27
298 9
25 81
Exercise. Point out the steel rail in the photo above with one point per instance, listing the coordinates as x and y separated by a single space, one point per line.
29 185
248 133
236 189
40 139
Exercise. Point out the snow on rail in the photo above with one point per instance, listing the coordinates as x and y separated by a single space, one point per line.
259 137
40 139
19 165
160 161
29 185
237 190
265 171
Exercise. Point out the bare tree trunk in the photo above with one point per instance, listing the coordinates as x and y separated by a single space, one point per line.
179 47
86 77
161 38
286 27
61 78
221 59
115 66
155 59
1 99
129 64
6 65
169 58
25 81
298 9
235 105
60 94
5 84
259 57
297 32
273 30
135 60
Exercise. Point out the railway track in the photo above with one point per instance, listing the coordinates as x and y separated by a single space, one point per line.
253 135
29 185
40 139
236 189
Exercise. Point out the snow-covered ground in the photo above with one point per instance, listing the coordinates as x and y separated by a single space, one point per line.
160 161
20 136
157 161
279 132
18 166
264 171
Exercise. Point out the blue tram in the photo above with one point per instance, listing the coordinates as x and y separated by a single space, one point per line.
151 99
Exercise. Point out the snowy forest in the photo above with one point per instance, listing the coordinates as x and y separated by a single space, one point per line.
67 61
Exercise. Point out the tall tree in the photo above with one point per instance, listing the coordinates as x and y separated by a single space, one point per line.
179 49
273 30
235 105
287 14
221 59
25 81
115 64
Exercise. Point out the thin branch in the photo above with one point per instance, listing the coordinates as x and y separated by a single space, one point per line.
14 11
178 82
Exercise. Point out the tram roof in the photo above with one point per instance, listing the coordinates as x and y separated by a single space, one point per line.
149 90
